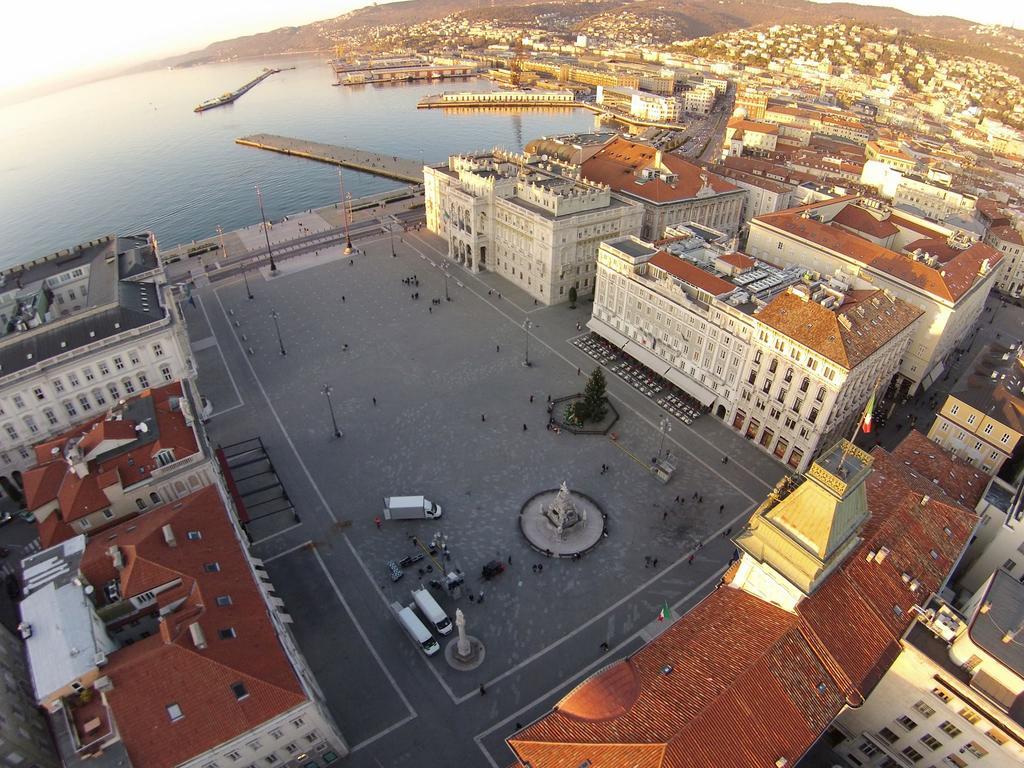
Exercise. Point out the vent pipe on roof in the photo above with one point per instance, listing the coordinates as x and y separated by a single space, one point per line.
168 532
197 635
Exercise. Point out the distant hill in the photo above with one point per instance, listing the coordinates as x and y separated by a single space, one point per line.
688 18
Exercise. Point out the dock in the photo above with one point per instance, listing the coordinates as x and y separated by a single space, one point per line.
389 166
232 96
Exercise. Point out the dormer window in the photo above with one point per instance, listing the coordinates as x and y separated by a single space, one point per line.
165 457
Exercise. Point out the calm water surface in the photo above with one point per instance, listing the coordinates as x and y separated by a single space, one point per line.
128 154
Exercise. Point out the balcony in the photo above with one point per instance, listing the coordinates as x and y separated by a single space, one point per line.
89 722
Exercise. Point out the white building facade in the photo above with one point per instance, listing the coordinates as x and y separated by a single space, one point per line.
537 228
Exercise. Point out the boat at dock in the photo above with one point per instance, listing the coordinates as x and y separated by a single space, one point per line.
231 96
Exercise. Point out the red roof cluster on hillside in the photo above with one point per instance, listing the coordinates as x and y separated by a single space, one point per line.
106 445
740 683
620 161
949 281
167 667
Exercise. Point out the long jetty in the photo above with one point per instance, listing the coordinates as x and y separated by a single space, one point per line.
233 96
389 166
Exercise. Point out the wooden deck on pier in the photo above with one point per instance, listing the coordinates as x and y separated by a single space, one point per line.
390 166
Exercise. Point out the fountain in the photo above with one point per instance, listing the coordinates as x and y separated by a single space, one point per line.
562 523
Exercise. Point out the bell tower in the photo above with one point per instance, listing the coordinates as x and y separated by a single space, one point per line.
805 529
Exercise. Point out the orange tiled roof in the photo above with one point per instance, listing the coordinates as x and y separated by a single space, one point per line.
690 273
1007 233
53 477
753 126
856 218
873 322
167 668
951 282
935 469
938 247
738 260
750 683
618 163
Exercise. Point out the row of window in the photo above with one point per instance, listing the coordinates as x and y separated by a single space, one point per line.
74 378
85 404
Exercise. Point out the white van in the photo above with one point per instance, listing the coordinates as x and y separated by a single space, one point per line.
432 611
419 633
410 508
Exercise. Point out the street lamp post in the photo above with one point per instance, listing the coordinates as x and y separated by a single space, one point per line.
444 271
527 325
330 404
391 235
224 256
345 213
277 326
266 230
665 426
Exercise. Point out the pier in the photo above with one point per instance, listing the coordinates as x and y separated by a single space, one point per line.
231 96
389 166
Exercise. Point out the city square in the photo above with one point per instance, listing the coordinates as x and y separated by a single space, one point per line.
432 397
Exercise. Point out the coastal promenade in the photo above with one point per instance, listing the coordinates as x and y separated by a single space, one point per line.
389 166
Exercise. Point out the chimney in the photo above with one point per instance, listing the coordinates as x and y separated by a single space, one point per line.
168 532
115 555
197 635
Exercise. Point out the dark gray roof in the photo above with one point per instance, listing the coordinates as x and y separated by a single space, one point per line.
1005 596
137 305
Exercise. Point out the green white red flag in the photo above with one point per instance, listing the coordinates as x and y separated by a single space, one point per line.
664 613
868 416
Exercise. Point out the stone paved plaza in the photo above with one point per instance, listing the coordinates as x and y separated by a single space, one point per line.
452 400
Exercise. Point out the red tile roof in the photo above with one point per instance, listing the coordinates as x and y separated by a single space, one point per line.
618 163
951 281
938 247
750 683
167 668
860 220
690 273
873 322
53 477
741 124
1008 234
738 260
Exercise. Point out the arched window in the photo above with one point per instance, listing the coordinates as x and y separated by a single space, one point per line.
805 384
154 498
140 504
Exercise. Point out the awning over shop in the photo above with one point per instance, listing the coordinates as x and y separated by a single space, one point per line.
693 388
643 355
601 328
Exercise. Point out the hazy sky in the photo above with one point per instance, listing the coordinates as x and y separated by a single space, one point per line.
41 41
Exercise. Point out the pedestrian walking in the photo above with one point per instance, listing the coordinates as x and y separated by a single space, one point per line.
695 494
549 398
689 560
664 515
483 691
604 647
725 459
654 563
721 508
375 402
700 499
531 398
377 522
677 499
497 347
728 530
342 298
510 559
483 417
647 561
533 567
430 310
540 567
577 371
524 427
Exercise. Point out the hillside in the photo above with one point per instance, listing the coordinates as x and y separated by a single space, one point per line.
678 20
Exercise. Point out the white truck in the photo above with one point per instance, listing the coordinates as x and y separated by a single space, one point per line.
432 611
410 508
415 629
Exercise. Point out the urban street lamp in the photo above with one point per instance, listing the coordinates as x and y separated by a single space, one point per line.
345 213
444 271
330 404
266 230
527 325
665 425
224 256
391 235
277 326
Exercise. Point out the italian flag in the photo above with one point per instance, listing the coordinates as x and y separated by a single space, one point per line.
663 614
869 409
